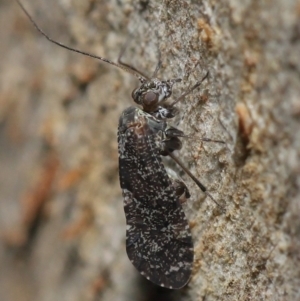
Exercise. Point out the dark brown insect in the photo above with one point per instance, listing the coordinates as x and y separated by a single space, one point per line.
158 237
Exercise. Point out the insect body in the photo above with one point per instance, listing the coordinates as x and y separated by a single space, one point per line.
158 238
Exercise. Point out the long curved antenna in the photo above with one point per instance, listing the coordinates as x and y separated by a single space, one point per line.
120 62
127 69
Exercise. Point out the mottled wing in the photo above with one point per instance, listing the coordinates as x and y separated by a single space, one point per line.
158 238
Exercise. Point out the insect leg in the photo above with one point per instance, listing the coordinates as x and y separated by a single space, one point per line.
171 143
198 183
181 190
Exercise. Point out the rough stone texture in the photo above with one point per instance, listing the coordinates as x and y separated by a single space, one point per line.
61 216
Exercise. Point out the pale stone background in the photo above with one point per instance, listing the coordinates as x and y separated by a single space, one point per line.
62 225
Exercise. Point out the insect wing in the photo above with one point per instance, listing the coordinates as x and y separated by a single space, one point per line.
158 237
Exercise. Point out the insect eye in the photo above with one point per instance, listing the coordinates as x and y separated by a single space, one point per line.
150 99
133 94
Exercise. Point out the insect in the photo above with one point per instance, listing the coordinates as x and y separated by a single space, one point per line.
158 238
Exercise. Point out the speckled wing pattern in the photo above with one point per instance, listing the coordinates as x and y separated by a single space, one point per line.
158 238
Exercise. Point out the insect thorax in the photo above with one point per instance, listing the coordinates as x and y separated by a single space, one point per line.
135 121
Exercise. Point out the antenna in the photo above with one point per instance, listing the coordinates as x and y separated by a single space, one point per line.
126 68
198 83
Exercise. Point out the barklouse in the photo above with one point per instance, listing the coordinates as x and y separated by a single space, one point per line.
158 237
